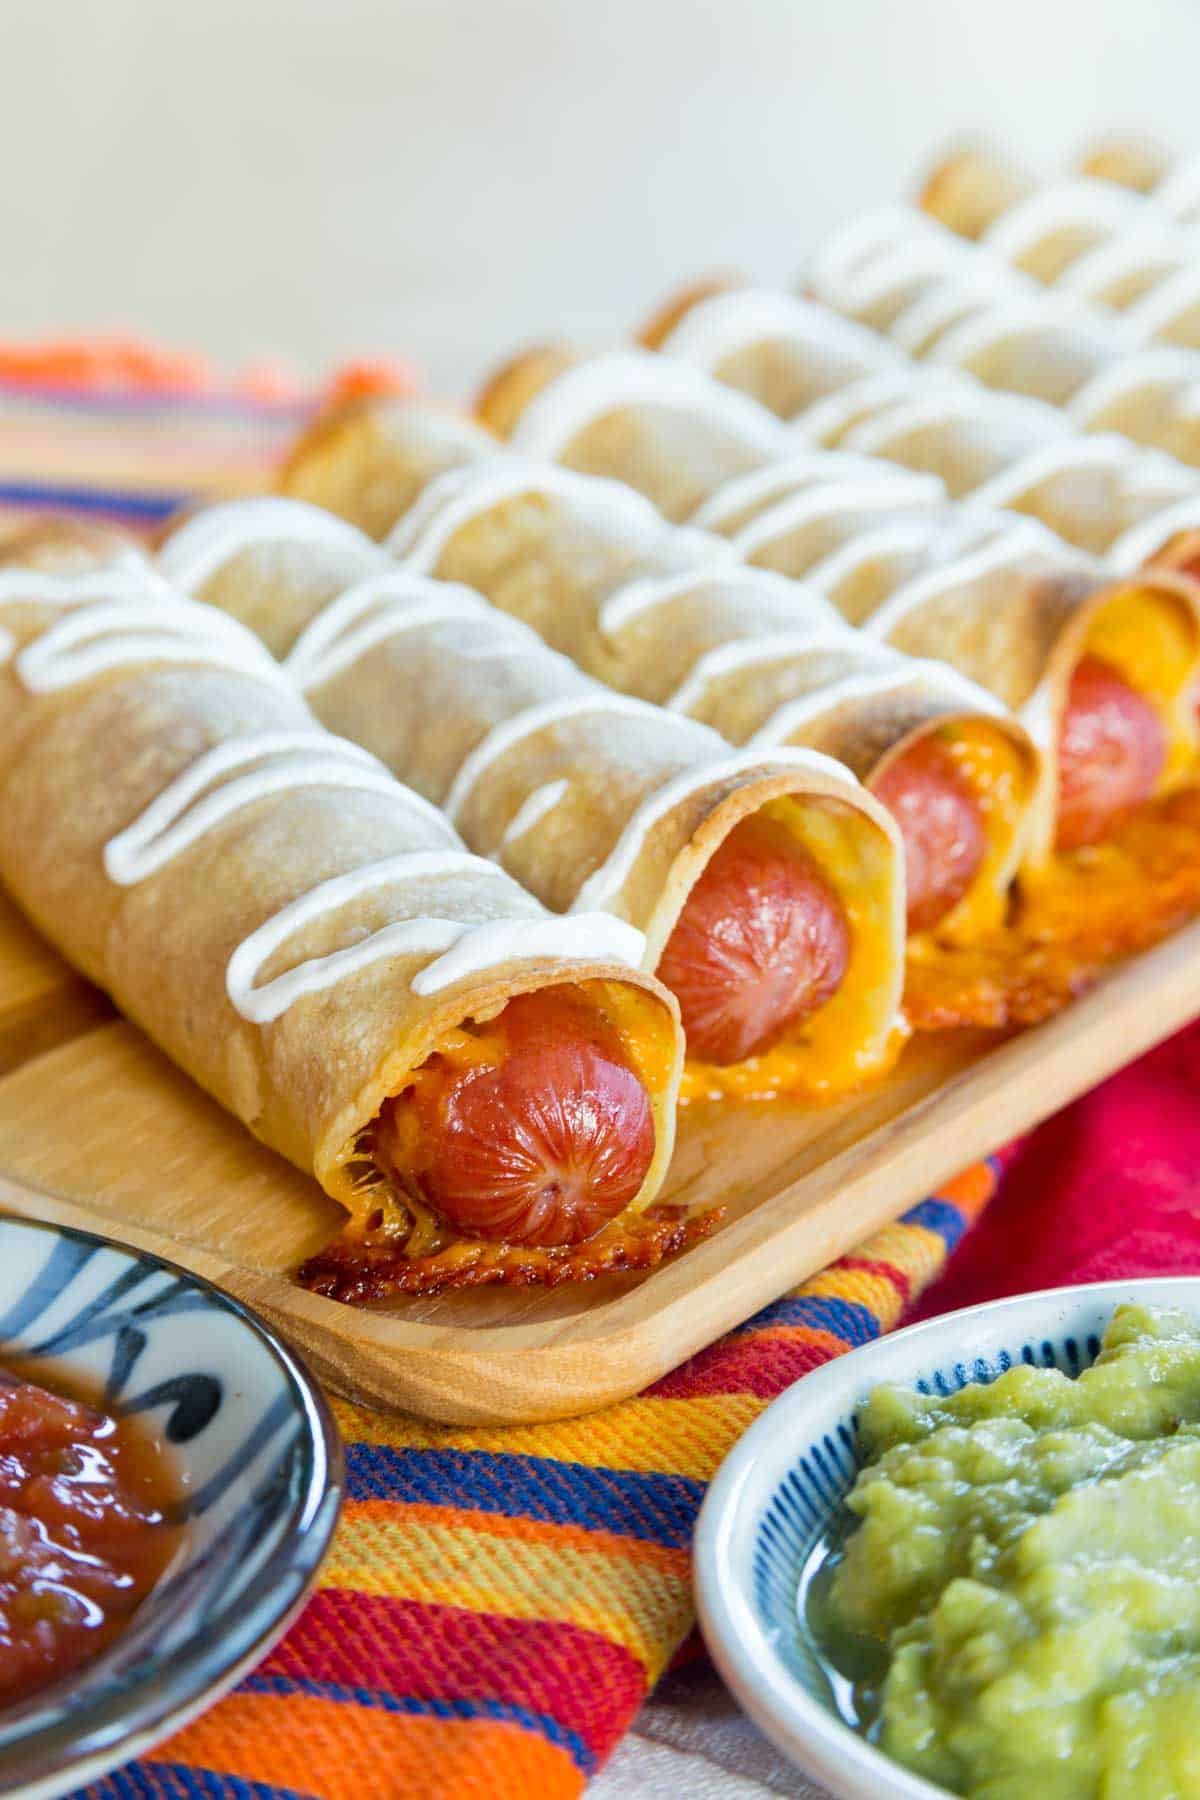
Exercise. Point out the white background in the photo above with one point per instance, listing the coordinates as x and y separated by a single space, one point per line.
451 179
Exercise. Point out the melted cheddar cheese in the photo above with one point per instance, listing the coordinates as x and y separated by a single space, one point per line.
1091 907
1151 640
1001 778
850 1038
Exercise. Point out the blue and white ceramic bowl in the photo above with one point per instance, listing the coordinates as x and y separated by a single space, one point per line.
261 1456
782 1487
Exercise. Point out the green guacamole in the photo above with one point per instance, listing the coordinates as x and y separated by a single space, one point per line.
1017 1609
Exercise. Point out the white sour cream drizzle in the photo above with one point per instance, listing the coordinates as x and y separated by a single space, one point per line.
534 808
1132 264
827 420
1009 550
853 247
816 504
749 653
338 635
899 277
879 543
179 816
915 675
1160 309
592 937
1153 475
644 592
813 468
1179 193
211 538
1074 453
261 1005
112 634
125 578
936 540
1086 209
184 811
465 949
523 724
924 322
608 880
1160 369
724 324
463 494
964 402
1099 335
589 391
372 612
149 622
1134 548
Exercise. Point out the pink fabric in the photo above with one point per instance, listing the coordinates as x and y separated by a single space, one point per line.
1107 1189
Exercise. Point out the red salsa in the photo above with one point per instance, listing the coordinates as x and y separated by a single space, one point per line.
85 1505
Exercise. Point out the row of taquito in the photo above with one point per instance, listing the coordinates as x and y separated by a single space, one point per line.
555 550
1002 600
962 307
314 943
766 880
1144 167
1088 236
672 617
843 386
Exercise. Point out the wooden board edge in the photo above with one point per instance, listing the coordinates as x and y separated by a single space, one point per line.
44 1022
529 1374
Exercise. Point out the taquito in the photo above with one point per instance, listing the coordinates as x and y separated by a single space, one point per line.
1004 450
963 307
1086 237
1173 185
1131 161
1099 492
1026 617
602 576
767 882
487 1089
972 186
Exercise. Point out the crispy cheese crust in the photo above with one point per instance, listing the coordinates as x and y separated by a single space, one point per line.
356 1272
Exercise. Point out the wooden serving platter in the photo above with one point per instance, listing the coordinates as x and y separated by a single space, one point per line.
98 1130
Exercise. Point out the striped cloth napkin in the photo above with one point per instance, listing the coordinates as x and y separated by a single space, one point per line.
497 1603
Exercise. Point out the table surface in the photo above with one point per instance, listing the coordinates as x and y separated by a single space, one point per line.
691 1738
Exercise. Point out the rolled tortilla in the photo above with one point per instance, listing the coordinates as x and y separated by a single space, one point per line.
1132 162
591 798
971 187
1178 192
309 940
590 414
972 190
355 460
1007 605
654 612
964 307
1136 163
1003 450
1108 245
1020 630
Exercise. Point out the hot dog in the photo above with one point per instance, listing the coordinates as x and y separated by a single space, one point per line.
1111 751
945 839
591 797
371 971
762 942
533 1129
